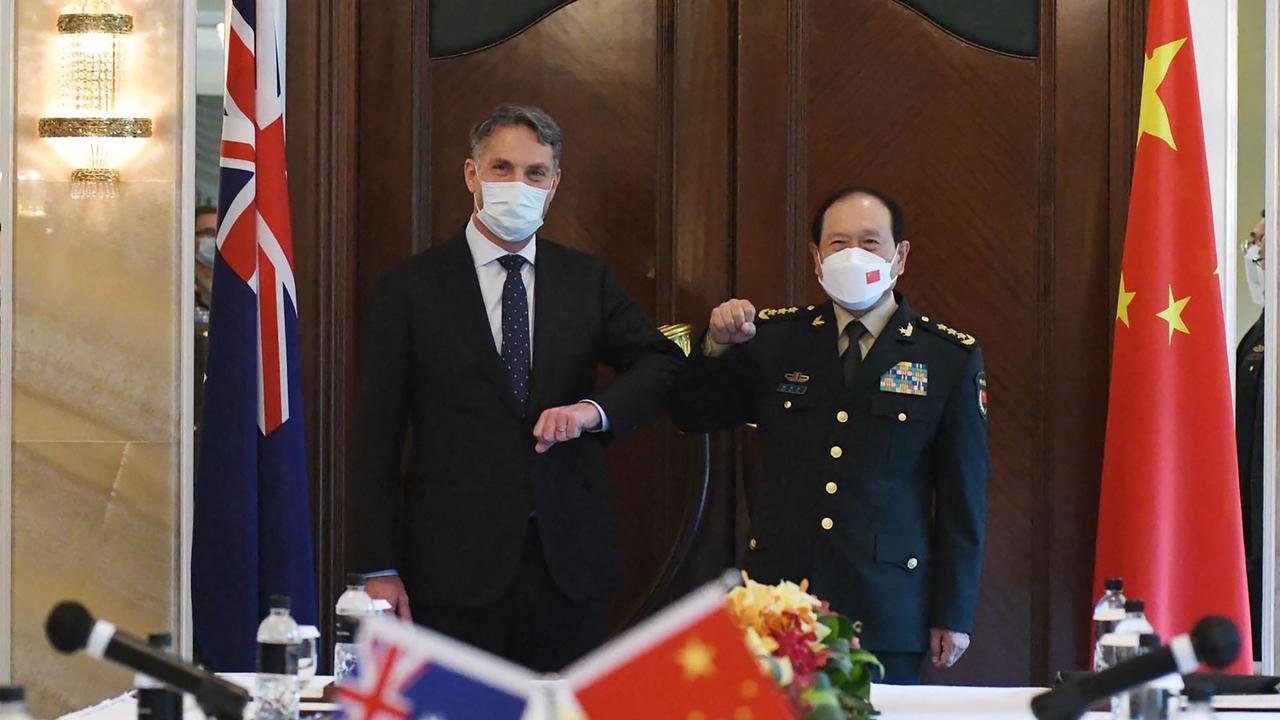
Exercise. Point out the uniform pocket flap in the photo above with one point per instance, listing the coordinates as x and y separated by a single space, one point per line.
900 408
906 551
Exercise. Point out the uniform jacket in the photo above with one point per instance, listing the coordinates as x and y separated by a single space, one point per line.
875 492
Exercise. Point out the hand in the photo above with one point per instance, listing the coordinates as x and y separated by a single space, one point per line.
733 322
565 423
946 647
391 589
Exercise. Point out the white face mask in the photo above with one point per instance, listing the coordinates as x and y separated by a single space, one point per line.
512 210
205 251
1253 275
856 278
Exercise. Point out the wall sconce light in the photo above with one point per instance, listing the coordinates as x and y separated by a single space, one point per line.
91 32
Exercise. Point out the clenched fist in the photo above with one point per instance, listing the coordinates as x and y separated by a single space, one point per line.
732 322
565 423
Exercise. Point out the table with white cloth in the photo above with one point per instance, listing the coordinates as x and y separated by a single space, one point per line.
921 702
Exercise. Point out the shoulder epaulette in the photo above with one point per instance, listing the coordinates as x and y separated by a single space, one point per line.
960 338
787 313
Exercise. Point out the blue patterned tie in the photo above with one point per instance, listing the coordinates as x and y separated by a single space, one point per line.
515 329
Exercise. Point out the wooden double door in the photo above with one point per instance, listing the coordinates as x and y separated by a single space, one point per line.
699 137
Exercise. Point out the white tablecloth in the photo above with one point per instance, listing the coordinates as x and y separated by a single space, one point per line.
930 702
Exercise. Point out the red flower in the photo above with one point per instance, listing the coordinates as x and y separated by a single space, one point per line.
805 661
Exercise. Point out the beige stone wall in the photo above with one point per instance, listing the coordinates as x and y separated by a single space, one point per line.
96 391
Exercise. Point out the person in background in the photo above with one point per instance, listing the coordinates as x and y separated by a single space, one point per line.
206 248
1249 404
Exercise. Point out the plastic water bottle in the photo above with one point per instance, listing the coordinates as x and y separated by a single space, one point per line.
13 703
1135 619
1123 644
278 641
1154 700
1199 703
155 701
353 607
1106 615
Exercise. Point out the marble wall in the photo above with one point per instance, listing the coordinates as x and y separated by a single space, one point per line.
96 366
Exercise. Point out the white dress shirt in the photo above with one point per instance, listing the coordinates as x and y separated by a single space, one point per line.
492 276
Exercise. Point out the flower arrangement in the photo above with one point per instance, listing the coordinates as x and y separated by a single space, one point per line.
811 652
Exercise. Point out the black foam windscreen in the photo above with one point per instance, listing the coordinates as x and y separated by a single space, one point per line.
1216 641
68 626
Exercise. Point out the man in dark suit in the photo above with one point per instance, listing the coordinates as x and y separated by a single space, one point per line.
486 348
1249 410
873 436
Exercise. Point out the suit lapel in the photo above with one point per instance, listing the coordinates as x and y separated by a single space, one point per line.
884 351
475 319
822 345
549 289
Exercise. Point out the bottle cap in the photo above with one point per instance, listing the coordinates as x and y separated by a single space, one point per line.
354 579
1134 606
163 640
280 602
1150 641
1114 584
12 693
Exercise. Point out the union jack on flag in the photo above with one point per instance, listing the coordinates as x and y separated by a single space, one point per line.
252 529
406 672
253 221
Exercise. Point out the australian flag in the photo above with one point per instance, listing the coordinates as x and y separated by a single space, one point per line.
409 673
252 527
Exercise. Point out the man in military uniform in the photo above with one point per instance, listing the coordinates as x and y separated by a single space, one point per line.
1249 406
872 422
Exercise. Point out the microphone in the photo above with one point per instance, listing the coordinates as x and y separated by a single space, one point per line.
1214 641
70 627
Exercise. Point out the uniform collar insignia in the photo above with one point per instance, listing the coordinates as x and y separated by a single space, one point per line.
906 330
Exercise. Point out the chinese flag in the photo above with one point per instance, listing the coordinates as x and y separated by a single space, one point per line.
696 669
1169 517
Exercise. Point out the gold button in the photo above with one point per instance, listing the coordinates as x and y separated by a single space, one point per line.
912 563
925 318
831 488
842 417
787 404
752 544
902 417
827 523
836 452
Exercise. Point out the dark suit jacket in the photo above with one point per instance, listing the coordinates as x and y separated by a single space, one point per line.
428 365
872 461
1249 406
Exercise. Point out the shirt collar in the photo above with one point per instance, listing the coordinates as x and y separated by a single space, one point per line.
874 321
485 251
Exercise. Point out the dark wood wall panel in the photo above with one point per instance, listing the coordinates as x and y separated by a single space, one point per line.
699 137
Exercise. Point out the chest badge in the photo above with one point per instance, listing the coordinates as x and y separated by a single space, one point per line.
796 377
981 382
906 378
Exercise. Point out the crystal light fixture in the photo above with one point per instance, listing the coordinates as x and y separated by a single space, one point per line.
91 32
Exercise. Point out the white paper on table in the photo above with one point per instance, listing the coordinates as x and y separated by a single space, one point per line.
1246 702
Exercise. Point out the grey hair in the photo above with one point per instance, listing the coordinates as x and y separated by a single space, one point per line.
511 114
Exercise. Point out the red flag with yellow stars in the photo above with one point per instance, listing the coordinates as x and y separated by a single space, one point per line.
690 662
1169 517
